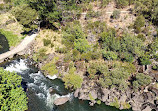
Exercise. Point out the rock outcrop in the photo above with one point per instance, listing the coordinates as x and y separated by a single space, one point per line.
61 101
139 101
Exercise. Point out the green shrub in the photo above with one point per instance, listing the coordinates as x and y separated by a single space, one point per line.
75 55
121 3
46 42
91 97
141 80
139 23
92 14
97 67
116 14
145 60
126 105
81 45
86 56
67 57
99 102
72 80
128 57
115 103
155 67
13 39
50 67
109 55
96 55
141 36
61 50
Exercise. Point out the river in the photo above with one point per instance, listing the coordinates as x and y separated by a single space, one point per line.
38 85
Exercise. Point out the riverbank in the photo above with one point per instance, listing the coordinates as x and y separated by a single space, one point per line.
20 49
143 100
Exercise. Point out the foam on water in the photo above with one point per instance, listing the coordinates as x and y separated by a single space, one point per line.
52 77
37 82
17 66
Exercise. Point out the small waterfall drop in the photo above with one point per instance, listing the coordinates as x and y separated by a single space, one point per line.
37 84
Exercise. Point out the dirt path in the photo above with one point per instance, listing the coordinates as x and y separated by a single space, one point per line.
23 45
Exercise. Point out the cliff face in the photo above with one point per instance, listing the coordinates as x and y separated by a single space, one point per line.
139 101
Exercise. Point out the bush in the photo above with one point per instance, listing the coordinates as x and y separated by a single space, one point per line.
139 23
75 55
86 56
116 78
116 14
96 55
145 60
46 42
109 55
92 14
115 103
155 67
81 45
121 3
141 36
128 57
141 80
61 50
50 67
97 67
72 80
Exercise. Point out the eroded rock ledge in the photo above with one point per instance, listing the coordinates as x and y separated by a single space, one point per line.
139 101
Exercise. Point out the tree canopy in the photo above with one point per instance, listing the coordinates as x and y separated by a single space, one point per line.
12 96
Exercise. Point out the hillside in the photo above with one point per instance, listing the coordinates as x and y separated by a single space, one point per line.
104 51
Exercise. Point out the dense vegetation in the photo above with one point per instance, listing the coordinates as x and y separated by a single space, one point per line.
107 56
12 96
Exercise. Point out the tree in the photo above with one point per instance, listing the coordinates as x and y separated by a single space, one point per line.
147 8
132 45
72 80
109 55
145 60
26 16
139 23
81 45
141 80
12 96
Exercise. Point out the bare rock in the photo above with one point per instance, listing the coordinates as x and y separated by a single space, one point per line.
76 94
147 109
93 94
61 101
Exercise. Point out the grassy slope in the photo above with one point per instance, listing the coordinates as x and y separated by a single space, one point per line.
13 39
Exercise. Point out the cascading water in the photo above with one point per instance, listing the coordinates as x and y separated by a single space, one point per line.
37 85
37 88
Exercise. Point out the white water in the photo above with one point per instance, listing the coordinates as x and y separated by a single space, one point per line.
36 82
52 77
18 67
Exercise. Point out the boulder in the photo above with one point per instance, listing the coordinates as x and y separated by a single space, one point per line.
93 94
51 91
76 94
61 101
147 109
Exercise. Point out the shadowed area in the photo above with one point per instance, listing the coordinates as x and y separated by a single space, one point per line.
4 46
